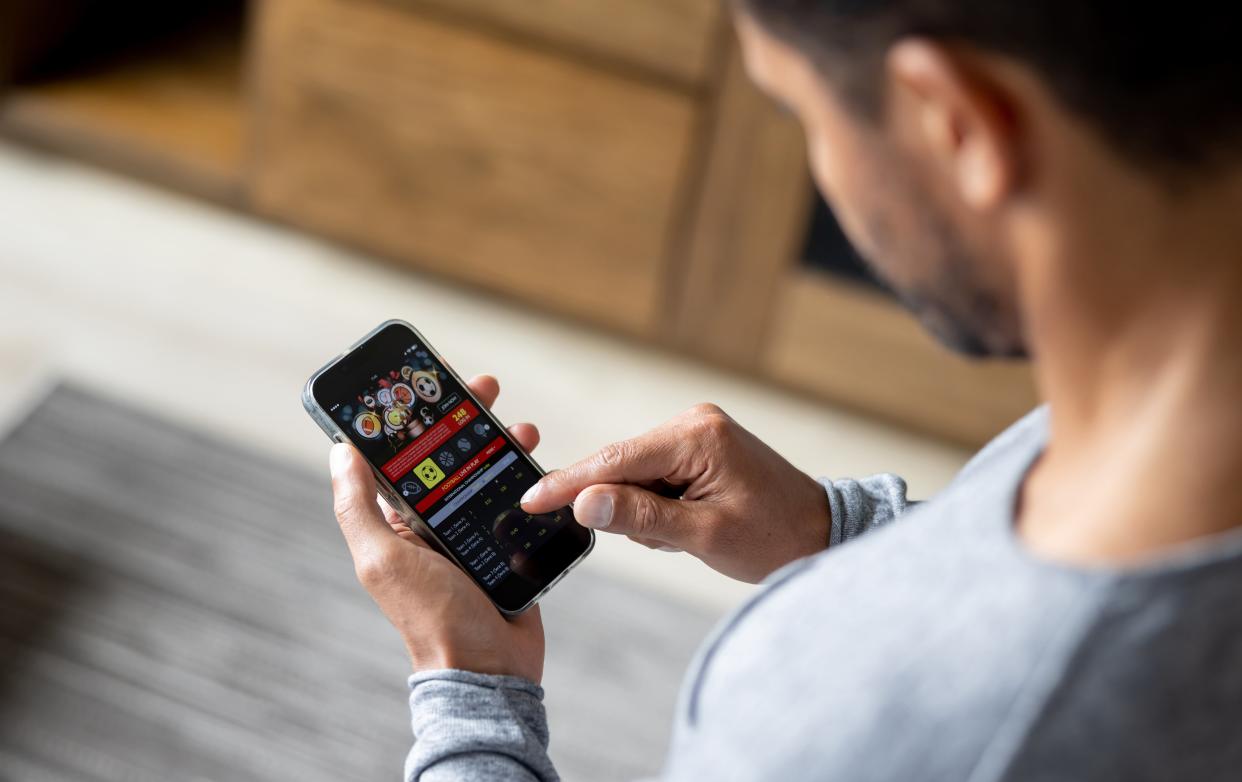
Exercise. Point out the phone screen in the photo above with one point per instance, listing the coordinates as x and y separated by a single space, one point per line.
451 462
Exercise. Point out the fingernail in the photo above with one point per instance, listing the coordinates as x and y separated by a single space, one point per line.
594 510
338 458
532 493
669 549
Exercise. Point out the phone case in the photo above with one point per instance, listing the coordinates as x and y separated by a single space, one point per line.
389 492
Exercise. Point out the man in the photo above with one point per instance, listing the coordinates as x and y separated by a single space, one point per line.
1062 178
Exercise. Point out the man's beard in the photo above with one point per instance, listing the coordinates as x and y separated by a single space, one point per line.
967 320
956 308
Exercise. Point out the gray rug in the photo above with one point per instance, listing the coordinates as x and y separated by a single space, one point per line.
175 608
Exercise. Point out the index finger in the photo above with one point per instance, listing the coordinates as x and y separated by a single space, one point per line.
657 454
485 387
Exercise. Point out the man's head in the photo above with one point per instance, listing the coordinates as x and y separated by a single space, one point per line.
957 138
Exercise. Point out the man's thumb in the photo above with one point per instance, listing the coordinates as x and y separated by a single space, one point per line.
631 510
353 490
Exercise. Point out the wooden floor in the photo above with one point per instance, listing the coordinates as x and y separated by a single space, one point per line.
173 608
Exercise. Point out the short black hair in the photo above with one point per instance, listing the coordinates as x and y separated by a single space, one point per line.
1161 81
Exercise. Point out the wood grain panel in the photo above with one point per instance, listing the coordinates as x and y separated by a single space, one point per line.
470 156
751 215
673 38
857 347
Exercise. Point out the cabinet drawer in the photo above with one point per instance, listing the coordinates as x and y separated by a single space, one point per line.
470 156
673 38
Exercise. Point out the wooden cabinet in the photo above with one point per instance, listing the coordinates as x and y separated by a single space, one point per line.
854 346
506 166
675 40
154 89
603 159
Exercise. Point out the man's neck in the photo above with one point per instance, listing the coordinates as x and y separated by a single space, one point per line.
1139 354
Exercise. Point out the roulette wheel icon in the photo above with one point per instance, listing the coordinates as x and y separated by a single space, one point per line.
463 444
368 425
402 395
427 386
384 397
397 416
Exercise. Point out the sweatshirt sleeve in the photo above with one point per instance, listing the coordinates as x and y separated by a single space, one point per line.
862 505
471 726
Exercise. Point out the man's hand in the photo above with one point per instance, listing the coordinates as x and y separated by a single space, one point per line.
743 510
444 618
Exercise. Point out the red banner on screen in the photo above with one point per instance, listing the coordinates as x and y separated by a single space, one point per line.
428 441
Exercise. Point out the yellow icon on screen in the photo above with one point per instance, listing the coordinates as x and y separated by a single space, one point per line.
429 473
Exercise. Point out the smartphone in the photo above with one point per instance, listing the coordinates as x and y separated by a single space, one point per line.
445 464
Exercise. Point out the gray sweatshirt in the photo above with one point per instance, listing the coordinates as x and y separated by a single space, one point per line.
936 648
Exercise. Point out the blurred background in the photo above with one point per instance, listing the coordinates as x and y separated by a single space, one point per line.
203 201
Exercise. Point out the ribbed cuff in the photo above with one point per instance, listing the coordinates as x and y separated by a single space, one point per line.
464 717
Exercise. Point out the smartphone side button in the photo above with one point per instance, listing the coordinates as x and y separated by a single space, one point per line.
390 496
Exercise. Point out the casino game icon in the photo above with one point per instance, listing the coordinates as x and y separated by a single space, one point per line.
402 395
427 386
368 425
397 416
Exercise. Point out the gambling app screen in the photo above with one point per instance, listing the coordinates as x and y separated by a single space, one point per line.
451 462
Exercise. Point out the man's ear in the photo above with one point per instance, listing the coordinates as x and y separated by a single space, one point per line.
961 121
